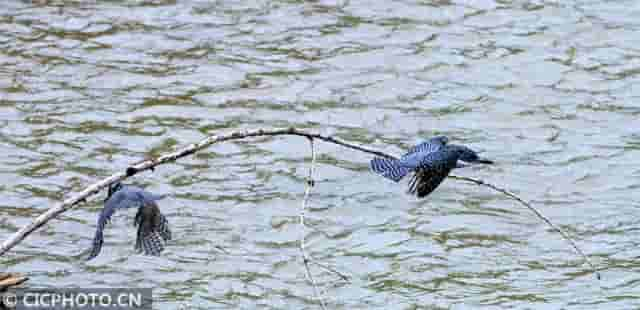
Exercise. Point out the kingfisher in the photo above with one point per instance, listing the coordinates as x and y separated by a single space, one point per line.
431 161
153 227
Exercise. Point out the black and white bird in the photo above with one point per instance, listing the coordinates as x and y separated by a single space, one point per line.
431 162
153 227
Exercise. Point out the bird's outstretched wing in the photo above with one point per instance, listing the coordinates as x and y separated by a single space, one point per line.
153 230
432 145
431 172
126 197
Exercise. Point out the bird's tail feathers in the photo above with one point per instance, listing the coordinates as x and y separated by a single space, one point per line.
389 168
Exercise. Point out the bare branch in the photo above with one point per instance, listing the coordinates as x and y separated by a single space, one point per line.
150 164
8 280
340 275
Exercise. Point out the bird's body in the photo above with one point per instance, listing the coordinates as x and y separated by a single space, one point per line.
396 169
153 227
431 162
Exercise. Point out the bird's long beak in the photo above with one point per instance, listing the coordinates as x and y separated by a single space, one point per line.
484 161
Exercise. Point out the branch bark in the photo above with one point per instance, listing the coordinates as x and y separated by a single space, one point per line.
8 280
150 164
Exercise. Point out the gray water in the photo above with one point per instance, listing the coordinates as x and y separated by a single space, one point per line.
547 89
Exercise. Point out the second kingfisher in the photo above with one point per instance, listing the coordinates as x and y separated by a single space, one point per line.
431 161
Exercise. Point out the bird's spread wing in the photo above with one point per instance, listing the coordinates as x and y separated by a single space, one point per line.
119 200
153 230
429 175
149 197
432 145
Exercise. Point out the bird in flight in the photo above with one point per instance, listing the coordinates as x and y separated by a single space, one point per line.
153 227
431 161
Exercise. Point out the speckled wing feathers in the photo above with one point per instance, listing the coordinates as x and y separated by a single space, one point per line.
153 230
152 244
431 173
163 229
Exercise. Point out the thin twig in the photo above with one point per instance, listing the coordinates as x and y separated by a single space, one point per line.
561 231
303 208
341 275
150 164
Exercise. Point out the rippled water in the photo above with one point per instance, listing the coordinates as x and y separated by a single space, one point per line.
548 89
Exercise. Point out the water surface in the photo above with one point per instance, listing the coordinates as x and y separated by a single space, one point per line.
547 89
